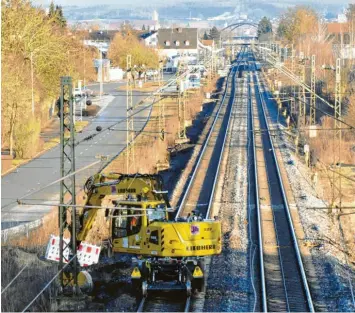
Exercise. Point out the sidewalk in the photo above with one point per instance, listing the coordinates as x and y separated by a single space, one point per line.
50 133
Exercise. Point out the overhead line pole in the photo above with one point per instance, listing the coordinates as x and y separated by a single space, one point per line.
293 91
130 157
337 122
337 102
312 112
161 104
67 187
272 60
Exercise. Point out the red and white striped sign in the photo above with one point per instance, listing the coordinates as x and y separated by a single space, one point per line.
87 254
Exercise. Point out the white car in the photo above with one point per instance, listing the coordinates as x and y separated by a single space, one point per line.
77 92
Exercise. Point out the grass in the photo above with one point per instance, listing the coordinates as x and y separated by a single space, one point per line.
146 87
51 143
29 283
80 125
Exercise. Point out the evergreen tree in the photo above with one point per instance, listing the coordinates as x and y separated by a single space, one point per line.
214 34
264 26
51 10
143 28
205 36
56 12
62 20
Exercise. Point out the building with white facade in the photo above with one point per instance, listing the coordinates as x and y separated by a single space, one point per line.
150 39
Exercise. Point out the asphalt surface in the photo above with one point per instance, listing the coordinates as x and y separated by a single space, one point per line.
46 168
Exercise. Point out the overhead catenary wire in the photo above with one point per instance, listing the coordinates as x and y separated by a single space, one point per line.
91 206
11 282
47 285
348 272
53 183
169 83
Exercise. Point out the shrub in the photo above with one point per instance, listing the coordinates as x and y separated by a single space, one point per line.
27 137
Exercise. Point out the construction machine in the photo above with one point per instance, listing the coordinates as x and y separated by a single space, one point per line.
167 254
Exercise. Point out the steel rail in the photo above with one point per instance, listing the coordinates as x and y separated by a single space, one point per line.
201 154
144 301
197 165
210 202
141 305
257 201
287 209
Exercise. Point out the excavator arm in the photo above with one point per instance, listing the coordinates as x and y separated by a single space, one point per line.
137 187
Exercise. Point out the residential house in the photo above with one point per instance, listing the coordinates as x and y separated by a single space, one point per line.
177 41
150 39
341 35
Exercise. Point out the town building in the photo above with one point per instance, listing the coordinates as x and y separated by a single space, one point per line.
177 41
150 39
340 34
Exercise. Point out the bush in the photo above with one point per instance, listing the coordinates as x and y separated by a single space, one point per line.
27 138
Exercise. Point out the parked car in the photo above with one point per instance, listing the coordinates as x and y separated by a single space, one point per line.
78 92
82 92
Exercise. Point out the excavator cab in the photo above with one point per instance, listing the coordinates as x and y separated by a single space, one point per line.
129 224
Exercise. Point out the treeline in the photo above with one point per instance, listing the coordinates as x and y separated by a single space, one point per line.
126 42
307 31
37 49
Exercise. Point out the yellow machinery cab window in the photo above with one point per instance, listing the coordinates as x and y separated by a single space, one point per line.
156 214
126 221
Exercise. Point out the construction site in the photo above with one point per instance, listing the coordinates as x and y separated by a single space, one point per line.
226 184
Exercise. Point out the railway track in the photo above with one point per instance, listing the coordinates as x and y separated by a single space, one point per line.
284 285
179 303
199 192
202 182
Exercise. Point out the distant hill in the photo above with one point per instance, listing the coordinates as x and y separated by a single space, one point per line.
166 12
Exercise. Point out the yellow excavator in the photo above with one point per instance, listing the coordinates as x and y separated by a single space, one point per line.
168 254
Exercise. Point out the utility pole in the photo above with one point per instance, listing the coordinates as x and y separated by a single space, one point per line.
211 66
312 112
181 113
302 112
337 103
293 89
130 158
101 76
161 105
84 68
337 121
302 97
68 278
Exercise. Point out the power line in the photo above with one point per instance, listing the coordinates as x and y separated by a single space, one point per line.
10 283
48 284
53 183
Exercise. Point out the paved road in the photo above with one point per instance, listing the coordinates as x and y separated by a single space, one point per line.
45 169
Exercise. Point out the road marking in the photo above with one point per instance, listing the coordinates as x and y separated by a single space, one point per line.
86 149
81 152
